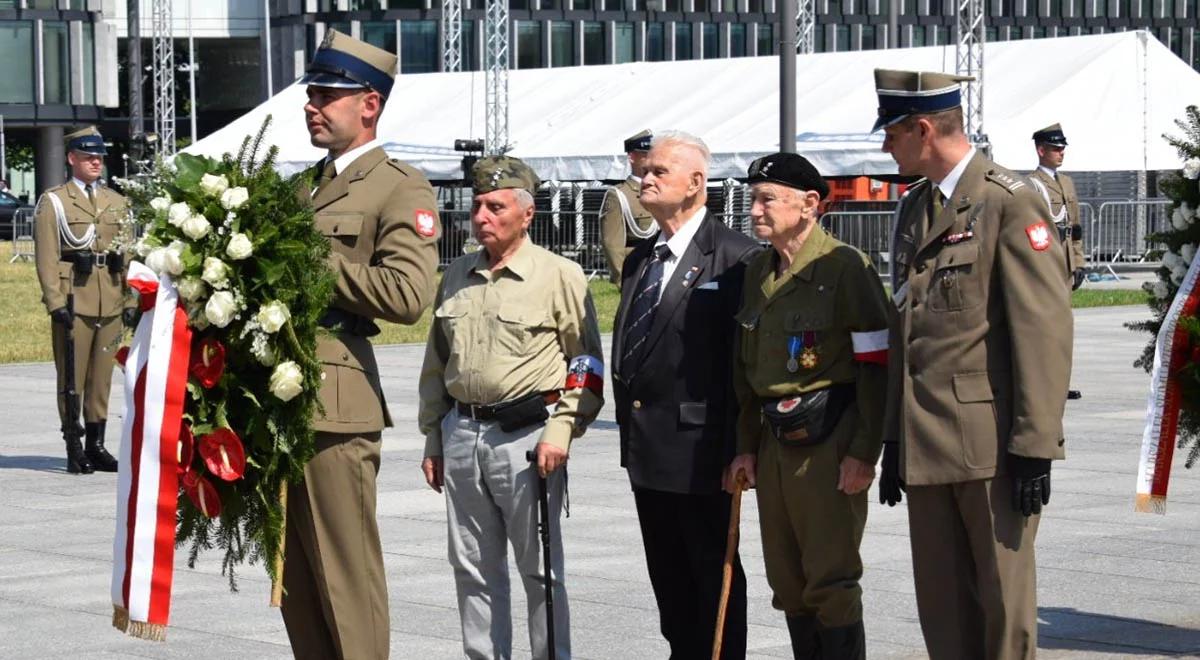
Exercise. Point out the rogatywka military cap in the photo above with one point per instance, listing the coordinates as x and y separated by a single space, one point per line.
88 140
499 172
345 62
639 142
1052 135
904 93
792 170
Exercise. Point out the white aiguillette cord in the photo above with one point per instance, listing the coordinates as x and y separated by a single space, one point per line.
630 224
68 237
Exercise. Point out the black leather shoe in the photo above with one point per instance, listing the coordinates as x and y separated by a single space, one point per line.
77 461
803 630
96 453
844 642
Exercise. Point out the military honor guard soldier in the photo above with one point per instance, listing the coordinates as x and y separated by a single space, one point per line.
380 217
810 370
1058 189
979 364
624 222
512 366
76 225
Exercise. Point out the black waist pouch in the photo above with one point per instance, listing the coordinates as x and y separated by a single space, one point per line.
809 418
522 412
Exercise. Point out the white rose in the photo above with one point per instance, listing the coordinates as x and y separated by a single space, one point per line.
160 203
213 185
286 381
178 212
1180 220
141 248
234 197
1191 168
215 272
239 247
220 309
164 260
1170 260
190 288
195 227
1187 253
273 315
1160 290
1178 273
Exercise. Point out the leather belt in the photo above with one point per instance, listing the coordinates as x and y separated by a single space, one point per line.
487 412
94 258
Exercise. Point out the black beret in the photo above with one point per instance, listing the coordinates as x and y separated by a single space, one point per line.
792 170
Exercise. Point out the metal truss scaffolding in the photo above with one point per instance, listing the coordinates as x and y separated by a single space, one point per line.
451 35
496 80
164 77
969 62
806 27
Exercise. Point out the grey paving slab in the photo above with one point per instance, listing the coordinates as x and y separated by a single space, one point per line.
1112 583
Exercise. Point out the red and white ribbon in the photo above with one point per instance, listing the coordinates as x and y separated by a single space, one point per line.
1171 353
870 346
147 481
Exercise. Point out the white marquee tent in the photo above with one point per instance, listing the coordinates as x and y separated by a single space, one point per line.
1114 94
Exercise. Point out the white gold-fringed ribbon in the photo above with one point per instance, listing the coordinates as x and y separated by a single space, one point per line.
156 372
1171 352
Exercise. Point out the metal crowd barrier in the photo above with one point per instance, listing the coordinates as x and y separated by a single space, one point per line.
566 232
22 236
1122 231
869 231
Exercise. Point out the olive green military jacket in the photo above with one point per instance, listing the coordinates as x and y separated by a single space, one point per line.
831 308
613 231
380 217
1061 190
981 349
101 293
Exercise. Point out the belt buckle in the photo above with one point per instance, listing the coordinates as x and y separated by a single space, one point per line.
101 259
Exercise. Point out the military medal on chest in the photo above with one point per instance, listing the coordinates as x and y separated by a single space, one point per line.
802 351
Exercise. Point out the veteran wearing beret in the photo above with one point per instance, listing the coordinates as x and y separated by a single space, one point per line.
979 366
512 365
78 228
1058 190
810 371
624 222
381 221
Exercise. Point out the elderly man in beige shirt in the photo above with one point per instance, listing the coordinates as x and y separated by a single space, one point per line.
512 365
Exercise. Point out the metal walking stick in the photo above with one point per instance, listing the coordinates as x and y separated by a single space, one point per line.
731 545
544 533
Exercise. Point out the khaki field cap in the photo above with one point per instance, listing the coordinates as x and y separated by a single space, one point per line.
345 62
88 140
904 93
499 172
1052 135
639 142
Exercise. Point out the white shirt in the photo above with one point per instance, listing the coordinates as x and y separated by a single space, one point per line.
678 244
1053 173
948 184
83 187
342 162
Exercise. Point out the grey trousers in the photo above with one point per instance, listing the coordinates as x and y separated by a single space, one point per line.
491 501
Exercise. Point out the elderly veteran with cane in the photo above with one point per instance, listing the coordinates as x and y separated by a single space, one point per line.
512 364
810 372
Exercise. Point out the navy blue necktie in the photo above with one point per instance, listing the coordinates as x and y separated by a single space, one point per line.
641 310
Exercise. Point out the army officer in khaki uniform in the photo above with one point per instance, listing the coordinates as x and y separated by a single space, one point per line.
381 222
1058 189
980 359
76 236
810 372
624 222
512 365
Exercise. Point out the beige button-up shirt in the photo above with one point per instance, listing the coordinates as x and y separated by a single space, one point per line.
501 335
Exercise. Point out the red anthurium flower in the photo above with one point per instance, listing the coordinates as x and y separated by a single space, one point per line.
121 356
208 362
202 494
186 447
223 454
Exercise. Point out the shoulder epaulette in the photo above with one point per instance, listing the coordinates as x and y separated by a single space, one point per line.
400 166
1007 180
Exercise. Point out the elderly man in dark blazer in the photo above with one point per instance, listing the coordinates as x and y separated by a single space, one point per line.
672 352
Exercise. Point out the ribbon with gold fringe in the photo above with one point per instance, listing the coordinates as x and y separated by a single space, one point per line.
147 480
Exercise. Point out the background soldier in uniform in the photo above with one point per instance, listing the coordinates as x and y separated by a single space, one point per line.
512 365
810 372
379 215
624 222
980 359
1059 192
75 228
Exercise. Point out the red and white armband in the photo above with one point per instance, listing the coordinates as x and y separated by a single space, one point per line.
586 371
870 347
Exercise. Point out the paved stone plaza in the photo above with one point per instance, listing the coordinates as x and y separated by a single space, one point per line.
1112 583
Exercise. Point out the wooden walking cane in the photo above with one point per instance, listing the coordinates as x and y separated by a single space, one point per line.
735 518
277 584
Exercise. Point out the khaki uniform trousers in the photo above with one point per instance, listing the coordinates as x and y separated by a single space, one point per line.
95 342
973 565
492 501
336 603
811 531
